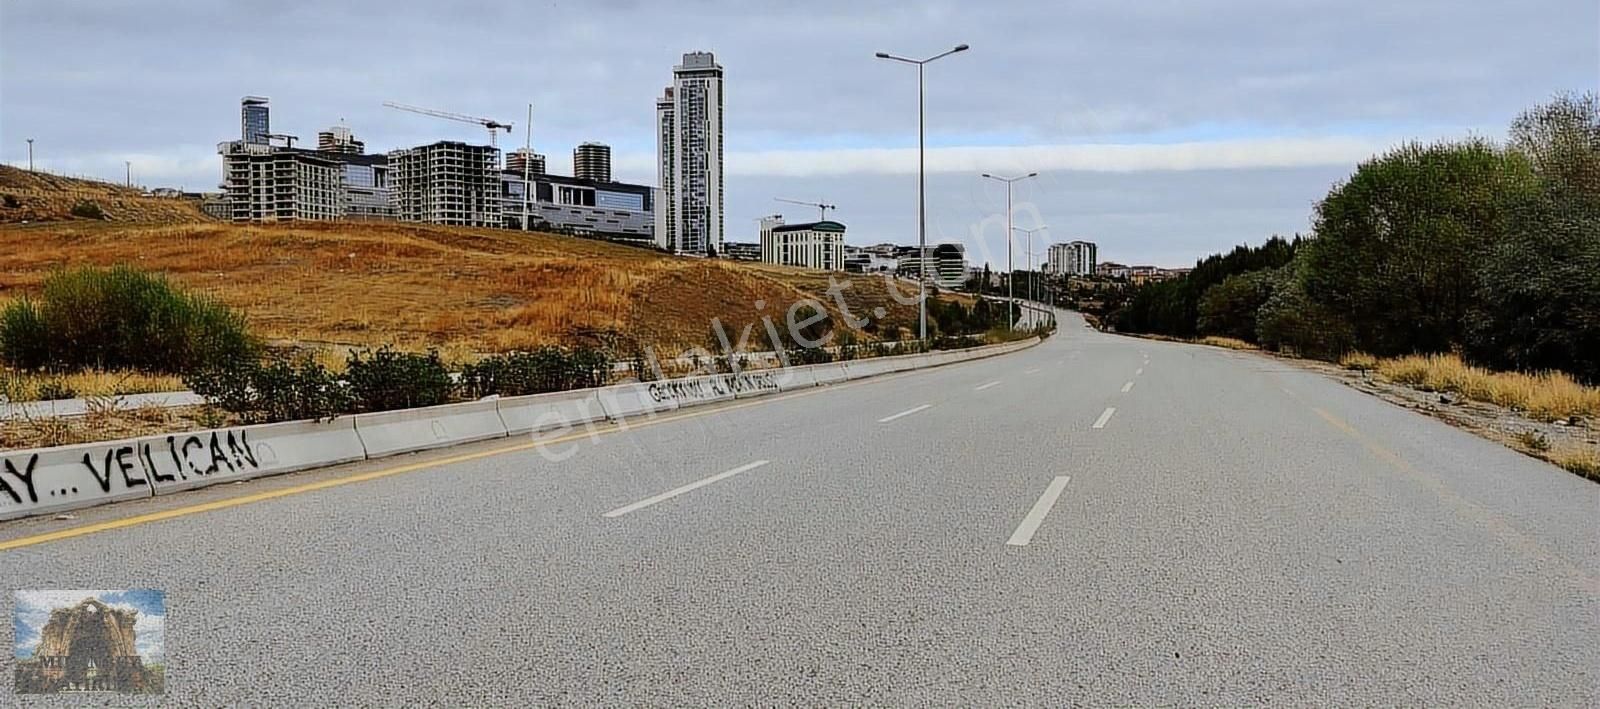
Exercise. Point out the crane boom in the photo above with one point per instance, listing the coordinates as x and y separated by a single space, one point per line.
489 123
821 207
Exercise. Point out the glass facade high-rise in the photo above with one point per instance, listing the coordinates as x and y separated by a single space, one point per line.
253 120
689 116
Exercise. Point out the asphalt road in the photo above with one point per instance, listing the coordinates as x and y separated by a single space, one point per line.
1096 520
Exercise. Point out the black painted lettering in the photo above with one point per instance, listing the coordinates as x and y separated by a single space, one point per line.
195 441
25 475
241 450
150 465
217 456
124 465
172 448
104 480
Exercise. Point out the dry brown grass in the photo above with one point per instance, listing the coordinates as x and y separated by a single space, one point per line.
45 197
1359 361
466 291
1545 396
28 386
1584 461
1228 342
106 421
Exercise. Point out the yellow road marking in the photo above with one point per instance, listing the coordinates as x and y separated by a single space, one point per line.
624 425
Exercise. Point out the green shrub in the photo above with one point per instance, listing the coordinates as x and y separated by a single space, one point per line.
121 318
542 370
282 389
386 379
88 210
11 202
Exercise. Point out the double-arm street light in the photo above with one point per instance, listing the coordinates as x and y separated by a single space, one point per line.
1032 294
922 188
1010 270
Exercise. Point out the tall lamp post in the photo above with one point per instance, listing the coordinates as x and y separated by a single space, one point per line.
922 188
30 155
1011 290
1032 290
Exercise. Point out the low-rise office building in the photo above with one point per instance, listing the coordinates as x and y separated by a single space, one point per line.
818 245
615 210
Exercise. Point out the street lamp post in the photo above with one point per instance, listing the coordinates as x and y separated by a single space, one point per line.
1011 289
1032 290
922 188
30 155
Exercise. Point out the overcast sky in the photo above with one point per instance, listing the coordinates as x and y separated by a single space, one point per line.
1163 129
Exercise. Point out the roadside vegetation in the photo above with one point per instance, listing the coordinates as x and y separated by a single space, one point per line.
1467 266
1487 249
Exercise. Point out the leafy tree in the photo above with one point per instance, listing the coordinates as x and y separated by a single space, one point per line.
1229 308
1396 246
1290 321
1561 139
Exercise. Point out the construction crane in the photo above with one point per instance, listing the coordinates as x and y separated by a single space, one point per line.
823 208
288 140
489 123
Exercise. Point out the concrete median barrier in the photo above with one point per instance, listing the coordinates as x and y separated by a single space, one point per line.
625 401
47 480
227 455
394 432
546 412
801 377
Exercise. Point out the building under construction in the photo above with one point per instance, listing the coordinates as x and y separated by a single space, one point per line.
262 183
447 182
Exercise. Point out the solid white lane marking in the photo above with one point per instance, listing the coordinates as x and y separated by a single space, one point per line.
1104 417
1030 523
981 387
907 412
1126 387
1138 371
1035 370
620 511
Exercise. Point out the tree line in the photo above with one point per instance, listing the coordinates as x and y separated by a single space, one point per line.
1490 249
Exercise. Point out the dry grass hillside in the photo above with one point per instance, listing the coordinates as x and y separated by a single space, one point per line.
463 290
39 197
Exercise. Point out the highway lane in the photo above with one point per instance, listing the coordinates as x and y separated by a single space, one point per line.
1236 530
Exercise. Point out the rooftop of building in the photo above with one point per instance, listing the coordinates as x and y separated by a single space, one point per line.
825 225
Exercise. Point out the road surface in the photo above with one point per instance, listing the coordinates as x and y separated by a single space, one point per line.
1097 520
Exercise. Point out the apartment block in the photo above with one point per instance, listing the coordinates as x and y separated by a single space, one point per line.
1075 258
690 152
447 182
592 161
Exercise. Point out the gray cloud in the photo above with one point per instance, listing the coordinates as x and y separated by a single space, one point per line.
158 83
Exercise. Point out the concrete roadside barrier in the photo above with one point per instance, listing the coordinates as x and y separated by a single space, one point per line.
624 401
831 373
394 432
46 480
227 455
544 412
751 384
800 377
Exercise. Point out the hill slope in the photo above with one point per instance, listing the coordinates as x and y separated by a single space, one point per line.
466 290
40 196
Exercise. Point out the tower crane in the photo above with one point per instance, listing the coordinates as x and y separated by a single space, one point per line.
823 208
489 123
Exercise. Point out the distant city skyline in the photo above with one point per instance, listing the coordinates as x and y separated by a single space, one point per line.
1162 134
